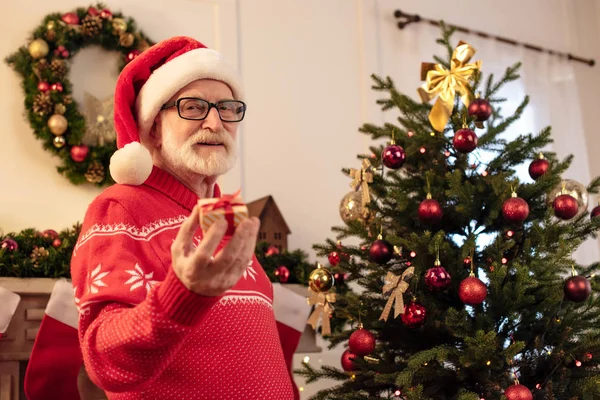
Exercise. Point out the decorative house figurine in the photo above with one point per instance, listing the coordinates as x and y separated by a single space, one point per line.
273 228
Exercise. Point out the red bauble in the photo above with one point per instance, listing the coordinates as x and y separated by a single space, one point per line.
577 288
414 315
283 273
79 153
334 258
132 54
348 361
430 212
437 278
57 87
362 342
480 109
93 11
272 250
106 13
70 18
595 212
518 392
50 234
465 140
393 156
538 167
565 206
381 251
515 209
56 243
472 291
43 86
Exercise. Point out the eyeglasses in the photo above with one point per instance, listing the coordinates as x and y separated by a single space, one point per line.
197 109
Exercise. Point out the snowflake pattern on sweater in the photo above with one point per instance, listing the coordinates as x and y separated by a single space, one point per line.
142 333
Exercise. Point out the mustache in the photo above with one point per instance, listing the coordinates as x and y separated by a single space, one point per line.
207 136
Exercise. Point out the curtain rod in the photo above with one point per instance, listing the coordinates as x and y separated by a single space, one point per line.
410 18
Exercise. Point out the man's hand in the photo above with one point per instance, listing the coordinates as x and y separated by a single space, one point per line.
198 270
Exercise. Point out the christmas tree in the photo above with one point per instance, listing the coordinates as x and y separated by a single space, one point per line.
464 276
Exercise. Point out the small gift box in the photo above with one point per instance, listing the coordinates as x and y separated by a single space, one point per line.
229 207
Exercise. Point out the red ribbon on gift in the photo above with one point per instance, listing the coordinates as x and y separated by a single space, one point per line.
227 202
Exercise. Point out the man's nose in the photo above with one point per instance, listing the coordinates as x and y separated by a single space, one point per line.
213 121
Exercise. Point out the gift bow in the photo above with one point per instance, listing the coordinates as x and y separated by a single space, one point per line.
323 302
445 83
226 202
361 179
397 285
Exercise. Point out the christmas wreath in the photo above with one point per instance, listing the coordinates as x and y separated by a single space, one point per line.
83 141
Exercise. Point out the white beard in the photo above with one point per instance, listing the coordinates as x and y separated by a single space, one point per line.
186 157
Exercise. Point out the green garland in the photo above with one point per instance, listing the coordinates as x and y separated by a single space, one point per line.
44 65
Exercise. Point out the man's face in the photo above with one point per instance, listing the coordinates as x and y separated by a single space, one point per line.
206 147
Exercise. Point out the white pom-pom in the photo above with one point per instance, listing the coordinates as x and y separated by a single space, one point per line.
131 165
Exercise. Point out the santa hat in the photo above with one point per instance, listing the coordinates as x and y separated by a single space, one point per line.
291 313
145 85
56 359
9 302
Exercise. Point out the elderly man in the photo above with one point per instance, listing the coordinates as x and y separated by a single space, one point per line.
168 311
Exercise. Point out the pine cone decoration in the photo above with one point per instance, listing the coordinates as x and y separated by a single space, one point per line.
50 36
38 254
91 25
60 109
42 104
58 67
95 172
68 99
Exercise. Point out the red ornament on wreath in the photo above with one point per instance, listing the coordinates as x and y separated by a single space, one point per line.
472 290
414 315
518 392
50 234
79 153
538 167
56 243
93 11
465 140
362 342
283 273
437 278
480 109
348 361
57 87
271 251
515 209
70 18
430 211
577 289
334 258
565 206
106 14
132 54
43 86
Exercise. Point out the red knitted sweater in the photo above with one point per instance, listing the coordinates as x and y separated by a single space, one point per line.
143 335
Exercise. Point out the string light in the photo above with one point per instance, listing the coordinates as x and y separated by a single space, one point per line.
510 233
397 392
408 263
432 133
588 356
425 364
413 254
488 363
410 133
422 150
538 386
306 360
447 153
301 388
504 260
484 173
373 155
577 363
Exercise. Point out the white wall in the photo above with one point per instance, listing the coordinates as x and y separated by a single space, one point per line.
306 67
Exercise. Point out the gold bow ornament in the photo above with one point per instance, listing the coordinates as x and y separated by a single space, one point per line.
397 285
445 83
361 179
323 307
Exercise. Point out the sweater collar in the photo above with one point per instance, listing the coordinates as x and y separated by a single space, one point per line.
167 184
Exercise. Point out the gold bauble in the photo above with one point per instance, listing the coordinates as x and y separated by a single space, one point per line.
126 39
352 209
573 188
51 25
59 141
58 124
119 25
38 48
321 280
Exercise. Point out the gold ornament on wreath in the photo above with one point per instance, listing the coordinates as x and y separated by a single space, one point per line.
55 118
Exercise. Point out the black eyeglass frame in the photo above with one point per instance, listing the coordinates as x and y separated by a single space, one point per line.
210 106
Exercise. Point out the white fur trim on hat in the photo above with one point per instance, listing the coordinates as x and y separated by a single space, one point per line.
168 79
61 305
131 165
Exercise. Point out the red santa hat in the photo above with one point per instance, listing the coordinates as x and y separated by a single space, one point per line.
148 82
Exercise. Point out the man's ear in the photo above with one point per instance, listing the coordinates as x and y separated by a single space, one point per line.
155 133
